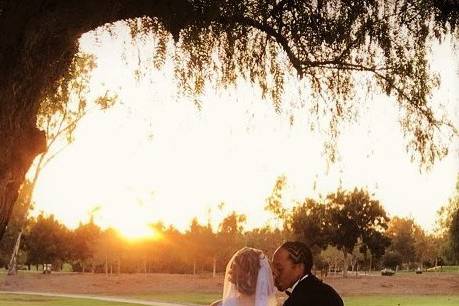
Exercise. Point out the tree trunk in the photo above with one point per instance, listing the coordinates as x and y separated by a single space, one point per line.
12 266
371 258
17 152
28 200
345 263
106 265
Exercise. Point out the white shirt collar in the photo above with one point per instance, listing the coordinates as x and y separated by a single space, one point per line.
298 281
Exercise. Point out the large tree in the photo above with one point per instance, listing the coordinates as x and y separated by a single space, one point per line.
309 222
403 233
448 222
83 244
356 218
47 241
328 43
200 245
230 237
59 116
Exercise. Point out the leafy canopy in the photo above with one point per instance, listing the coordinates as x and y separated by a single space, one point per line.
338 49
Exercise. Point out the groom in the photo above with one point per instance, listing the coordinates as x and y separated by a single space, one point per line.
292 263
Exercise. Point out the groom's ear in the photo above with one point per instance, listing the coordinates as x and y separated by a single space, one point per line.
300 268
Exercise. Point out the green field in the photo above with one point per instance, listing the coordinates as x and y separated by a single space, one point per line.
402 301
189 298
35 300
30 300
450 269
206 299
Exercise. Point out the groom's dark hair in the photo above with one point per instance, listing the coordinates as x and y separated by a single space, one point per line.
299 252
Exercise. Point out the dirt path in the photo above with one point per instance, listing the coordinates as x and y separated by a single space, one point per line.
131 285
93 297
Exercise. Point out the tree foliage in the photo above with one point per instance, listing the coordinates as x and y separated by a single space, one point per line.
46 241
448 222
265 238
348 220
201 245
454 233
403 233
83 242
355 216
63 108
336 47
392 259
310 223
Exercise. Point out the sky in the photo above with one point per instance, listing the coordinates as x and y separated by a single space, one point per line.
154 156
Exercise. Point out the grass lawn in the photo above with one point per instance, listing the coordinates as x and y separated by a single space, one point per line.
35 300
450 269
205 299
452 300
189 298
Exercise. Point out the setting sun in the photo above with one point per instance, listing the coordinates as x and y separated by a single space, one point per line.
136 231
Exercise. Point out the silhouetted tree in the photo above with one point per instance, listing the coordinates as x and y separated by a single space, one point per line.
200 245
47 241
58 116
230 237
376 243
403 233
265 238
83 245
392 259
107 251
354 216
448 222
309 222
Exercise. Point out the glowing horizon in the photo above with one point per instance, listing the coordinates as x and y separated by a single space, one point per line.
155 157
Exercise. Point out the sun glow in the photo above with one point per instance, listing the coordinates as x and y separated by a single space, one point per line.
136 231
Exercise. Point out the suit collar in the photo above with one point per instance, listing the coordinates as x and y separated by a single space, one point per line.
298 281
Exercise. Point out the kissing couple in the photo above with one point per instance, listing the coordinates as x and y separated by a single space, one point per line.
250 279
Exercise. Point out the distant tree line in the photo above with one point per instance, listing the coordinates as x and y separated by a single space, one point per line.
88 248
347 230
350 227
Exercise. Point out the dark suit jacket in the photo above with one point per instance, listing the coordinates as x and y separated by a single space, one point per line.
313 292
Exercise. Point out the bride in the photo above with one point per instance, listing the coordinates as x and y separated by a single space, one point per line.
248 280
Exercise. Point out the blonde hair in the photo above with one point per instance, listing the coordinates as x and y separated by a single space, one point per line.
243 272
